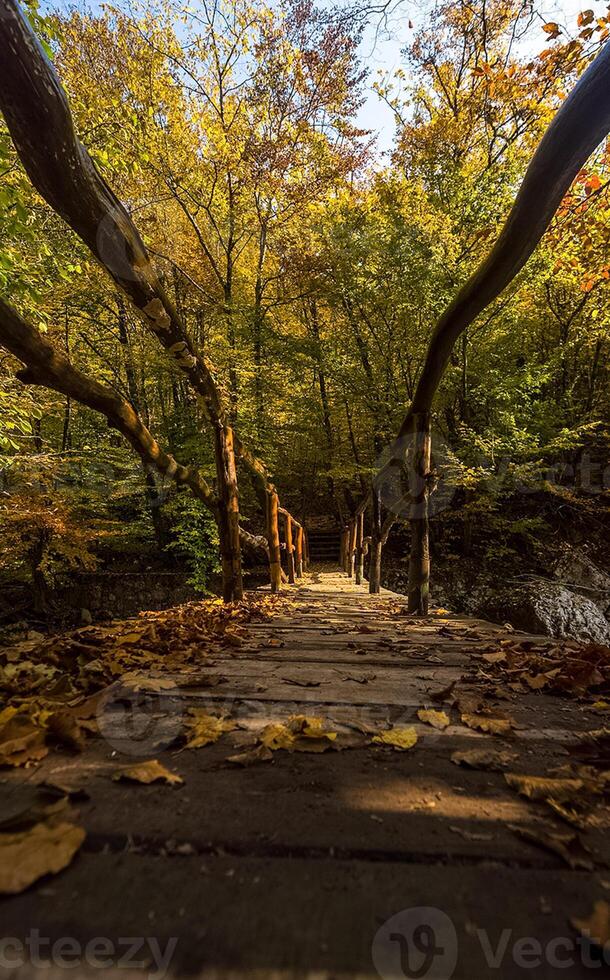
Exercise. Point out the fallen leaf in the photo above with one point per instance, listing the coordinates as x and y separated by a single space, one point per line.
140 682
597 927
484 759
300 734
44 849
543 788
147 772
359 678
491 726
258 754
399 738
494 658
204 729
64 725
568 846
439 696
470 835
536 683
438 719
21 742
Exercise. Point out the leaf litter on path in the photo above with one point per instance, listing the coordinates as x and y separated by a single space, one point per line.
45 848
151 771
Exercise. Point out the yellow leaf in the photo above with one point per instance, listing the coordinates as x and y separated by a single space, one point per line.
204 729
399 738
26 857
491 726
300 734
597 927
438 719
147 772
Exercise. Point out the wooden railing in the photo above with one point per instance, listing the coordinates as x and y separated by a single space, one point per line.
355 545
296 544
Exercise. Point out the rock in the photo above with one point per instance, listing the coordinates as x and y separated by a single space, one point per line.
85 617
550 609
576 570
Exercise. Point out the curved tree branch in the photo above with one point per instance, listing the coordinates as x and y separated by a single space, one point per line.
577 129
46 366
38 116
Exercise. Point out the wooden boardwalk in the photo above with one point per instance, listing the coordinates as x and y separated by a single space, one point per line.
291 867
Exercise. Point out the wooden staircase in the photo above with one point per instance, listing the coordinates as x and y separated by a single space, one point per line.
324 545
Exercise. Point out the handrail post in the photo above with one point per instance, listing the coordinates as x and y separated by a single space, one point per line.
419 558
359 556
351 544
299 552
273 537
289 547
376 544
343 549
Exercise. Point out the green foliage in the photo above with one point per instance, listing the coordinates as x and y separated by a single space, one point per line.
195 539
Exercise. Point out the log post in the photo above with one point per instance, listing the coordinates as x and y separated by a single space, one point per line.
359 556
228 514
343 549
289 547
376 544
299 553
419 479
273 537
351 544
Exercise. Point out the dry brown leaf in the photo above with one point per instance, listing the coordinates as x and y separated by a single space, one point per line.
569 847
142 682
27 856
147 772
471 835
439 696
491 726
258 754
437 719
536 683
597 927
494 658
485 759
543 788
64 725
21 742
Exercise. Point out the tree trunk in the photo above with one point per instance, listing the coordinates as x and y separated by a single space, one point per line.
376 544
305 550
419 479
228 515
273 537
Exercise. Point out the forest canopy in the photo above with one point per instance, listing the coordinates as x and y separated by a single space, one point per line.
303 271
